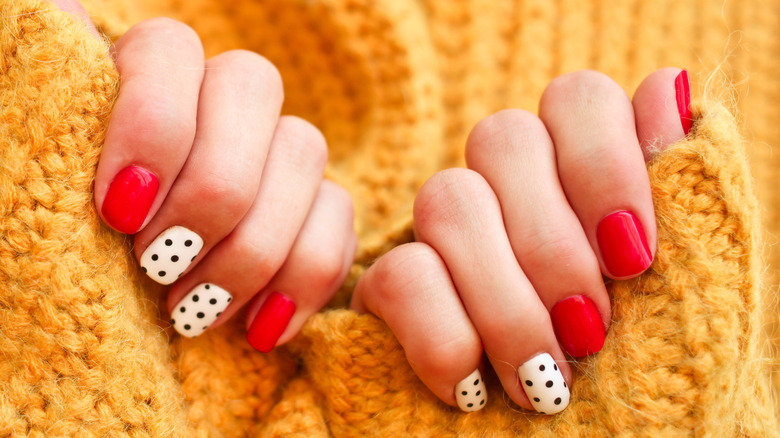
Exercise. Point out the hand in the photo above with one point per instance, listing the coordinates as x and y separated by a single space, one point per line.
510 252
226 198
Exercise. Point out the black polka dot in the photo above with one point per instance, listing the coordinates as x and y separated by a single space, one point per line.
549 384
175 258
188 243
213 301
201 315
219 313
178 276
478 393
205 327
564 384
482 402
470 405
168 242
182 309
154 257
161 273
476 382
543 413
557 401
143 269
555 367
536 399
193 258
529 383
187 327
464 393
541 367
173 321
195 298
208 286
230 299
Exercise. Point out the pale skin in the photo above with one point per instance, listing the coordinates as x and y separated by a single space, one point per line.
512 234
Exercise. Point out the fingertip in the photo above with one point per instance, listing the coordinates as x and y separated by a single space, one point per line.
662 109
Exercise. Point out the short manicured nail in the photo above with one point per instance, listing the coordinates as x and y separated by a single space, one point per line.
623 245
270 322
129 198
578 326
170 254
470 392
682 88
544 385
196 311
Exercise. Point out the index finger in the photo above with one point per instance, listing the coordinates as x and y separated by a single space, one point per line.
152 126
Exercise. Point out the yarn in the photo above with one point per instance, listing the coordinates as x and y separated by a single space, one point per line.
395 85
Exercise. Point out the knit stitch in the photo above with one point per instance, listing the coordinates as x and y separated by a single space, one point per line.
394 85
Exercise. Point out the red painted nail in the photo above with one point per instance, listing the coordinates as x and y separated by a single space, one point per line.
623 245
682 88
578 326
129 198
270 322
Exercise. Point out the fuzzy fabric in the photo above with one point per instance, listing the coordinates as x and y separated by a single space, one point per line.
394 85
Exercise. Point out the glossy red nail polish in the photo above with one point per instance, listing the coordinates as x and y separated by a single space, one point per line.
578 326
623 245
270 322
682 88
129 198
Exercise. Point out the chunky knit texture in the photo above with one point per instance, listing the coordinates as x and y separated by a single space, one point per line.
395 85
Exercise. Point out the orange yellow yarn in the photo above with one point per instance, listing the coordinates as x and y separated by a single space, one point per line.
395 85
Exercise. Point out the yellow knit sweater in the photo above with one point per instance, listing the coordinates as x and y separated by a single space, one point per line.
394 85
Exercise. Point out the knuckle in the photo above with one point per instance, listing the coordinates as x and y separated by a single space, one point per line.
305 140
249 70
578 83
265 263
226 190
401 273
160 122
494 134
448 196
556 247
439 356
176 34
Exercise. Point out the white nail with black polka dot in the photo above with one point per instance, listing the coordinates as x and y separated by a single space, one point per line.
201 307
470 392
544 385
170 254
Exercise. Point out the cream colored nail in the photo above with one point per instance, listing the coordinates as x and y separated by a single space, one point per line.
544 385
170 254
470 392
196 311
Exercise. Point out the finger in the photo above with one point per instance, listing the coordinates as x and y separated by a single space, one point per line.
152 125
239 106
410 289
662 108
75 8
458 215
514 153
315 269
244 262
601 168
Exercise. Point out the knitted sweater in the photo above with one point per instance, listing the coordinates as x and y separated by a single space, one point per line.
394 85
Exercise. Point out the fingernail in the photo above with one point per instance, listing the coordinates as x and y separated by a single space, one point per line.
270 322
578 326
170 254
682 88
129 198
196 311
623 245
470 392
544 385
